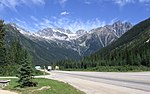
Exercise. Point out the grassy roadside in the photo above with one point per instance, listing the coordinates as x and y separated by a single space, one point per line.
12 73
45 86
38 73
114 69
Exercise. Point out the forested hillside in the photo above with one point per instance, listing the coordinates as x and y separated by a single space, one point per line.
133 48
12 56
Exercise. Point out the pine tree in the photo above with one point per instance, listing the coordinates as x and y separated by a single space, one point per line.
25 73
15 53
2 47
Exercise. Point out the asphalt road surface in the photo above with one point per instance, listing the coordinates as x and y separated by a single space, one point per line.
105 82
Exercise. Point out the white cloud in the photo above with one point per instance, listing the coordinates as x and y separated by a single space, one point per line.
20 21
66 23
87 2
114 20
9 3
64 13
62 2
33 18
46 21
123 2
59 22
86 25
38 2
12 4
144 1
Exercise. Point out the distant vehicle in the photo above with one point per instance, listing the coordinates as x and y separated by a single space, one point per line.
38 67
56 67
49 68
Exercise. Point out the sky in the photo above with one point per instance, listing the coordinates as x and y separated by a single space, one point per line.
34 15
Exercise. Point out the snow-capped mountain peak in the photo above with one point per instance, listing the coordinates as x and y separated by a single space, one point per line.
81 32
57 34
81 41
21 30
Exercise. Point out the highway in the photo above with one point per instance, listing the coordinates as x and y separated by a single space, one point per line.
105 82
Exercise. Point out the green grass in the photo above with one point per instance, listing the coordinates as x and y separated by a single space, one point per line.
125 68
55 87
121 68
38 72
9 71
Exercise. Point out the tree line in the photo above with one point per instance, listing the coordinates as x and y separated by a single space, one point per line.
127 58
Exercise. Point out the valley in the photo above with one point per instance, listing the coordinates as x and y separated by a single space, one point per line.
75 46
48 44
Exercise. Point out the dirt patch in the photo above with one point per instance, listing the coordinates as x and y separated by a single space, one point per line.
44 88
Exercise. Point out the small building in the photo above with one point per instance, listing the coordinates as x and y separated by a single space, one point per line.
56 67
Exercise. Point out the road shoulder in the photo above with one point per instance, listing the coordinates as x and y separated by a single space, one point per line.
7 92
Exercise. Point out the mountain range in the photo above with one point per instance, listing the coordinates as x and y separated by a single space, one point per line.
130 52
53 44
132 48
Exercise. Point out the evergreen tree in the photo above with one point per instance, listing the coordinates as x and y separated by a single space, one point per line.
2 47
25 73
15 53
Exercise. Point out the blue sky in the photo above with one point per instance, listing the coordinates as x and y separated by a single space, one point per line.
34 15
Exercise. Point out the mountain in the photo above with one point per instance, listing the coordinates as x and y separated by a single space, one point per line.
53 44
132 48
120 28
56 34
81 32
41 50
100 37
85 43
